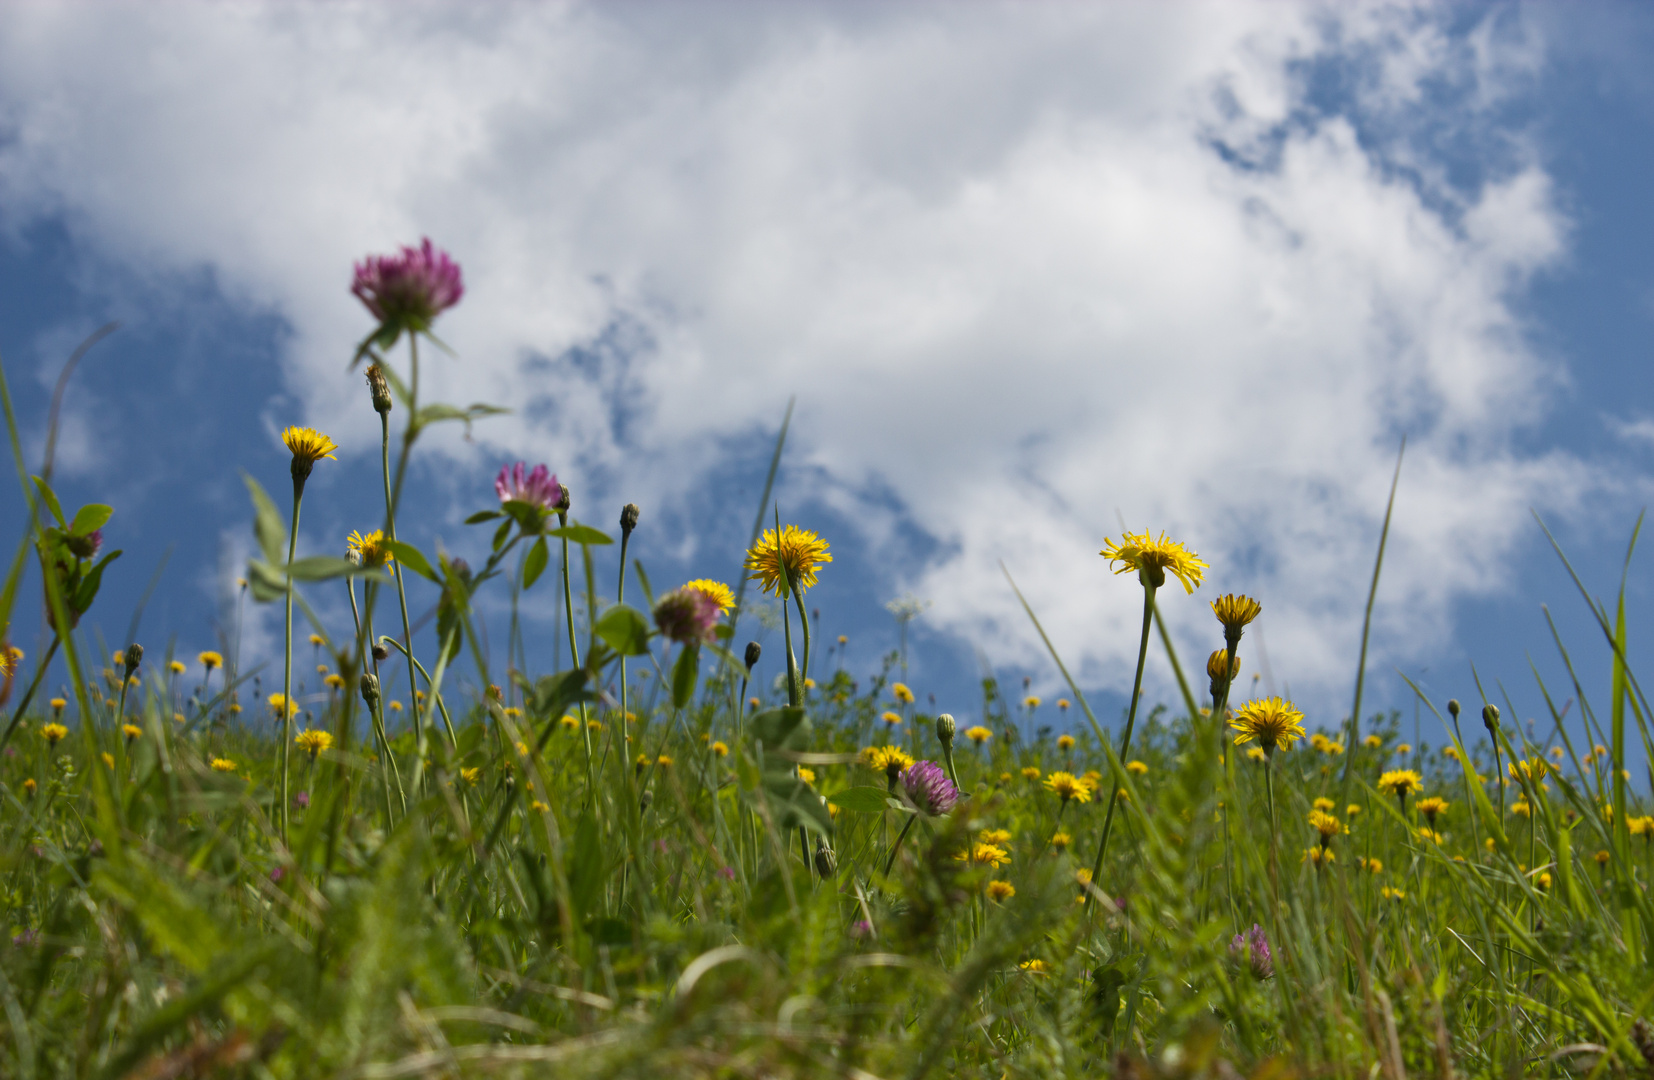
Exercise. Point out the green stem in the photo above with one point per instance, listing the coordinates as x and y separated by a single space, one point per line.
287 658
895 850
574 657
391 499
362 646
1131 720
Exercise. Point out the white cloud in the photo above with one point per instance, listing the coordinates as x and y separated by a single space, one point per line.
1028 267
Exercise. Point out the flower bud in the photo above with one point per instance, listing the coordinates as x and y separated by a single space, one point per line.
1453 707
1490 717
826 862
370 689
495 692
754 651
628 519
134 657
380 389
647 798
562 506
380 653
945 727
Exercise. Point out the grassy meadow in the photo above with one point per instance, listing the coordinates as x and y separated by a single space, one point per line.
635 858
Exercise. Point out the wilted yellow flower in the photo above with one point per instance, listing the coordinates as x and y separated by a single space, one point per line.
210 660
793 551
220 764
1000 891
1065 743
314 742
717 590
978 734
1272 721
53 733
1153 559
902 693
1067 786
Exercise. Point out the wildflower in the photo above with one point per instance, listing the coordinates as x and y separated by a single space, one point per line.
220 764
370 551
806 775
53 733
1032 967
307 446
58 705
1152 558
1372 866
1600 750
809 684
1067 786
664 761
1404 748
1000 891
29 787
1217 663
1601 857
538 807
1431 807
998 837
594 725
1234 612
396 706
1543 881
843 640
279 701
177 667
978 734
890 718
1062 703
1093 779
1392 894
687 616
210 660
793 552
471 775
886 759
1331 748
1641 826
109 759
1252 948
1031 702
929 788
902 693
1352 809
1489 844
569 722
1272 721
717 590
334 682
1323 803
721 749
985 854
1427 833
131 731
1401 782
1065 743
1136 768
314 742
537 488
1030 772
1325 824
1520 806
1254 753
1451 752
1061 840
1319 856
407 291
1533 770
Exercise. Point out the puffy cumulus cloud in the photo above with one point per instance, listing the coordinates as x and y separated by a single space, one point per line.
1034 271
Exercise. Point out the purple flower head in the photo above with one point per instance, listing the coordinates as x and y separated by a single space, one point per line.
408 291
85 547
687 616
1252 948
277 873
727 873
538 488
929 788
302 800
861 928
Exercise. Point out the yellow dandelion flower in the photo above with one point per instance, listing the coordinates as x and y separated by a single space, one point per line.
1324 803
58 705
1032 967
978 734
1255 753
792 552
997 837
369 550
902 694
132 731
1067 786
278 701
538 807
664 761
1533 769
717 590
109 759
889 760
220 764
1542 882
1272 721
594 725
1000 891
891 718
307 446
1061 840
1030 772
807 775
720 748
1325 824
1431 807
984 854
314 742
1031 701
53 733
177 667
1352 809
1136 768
569 722
1601 857
29 787
1392 894
210 660
1065 743
1427 833
1404 748
1520 806
1371 866
396 706
1400 782
1153 558
1234 612
471 775
334 682
1319 856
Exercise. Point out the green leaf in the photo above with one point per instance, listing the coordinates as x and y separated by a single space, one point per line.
684 675
797 805
412 558
581 534
321 568
500 534
535 564
90 518
625 629
50 498
438 412
553 694
266 582
586 867
88 591
481 516
786 728
267 524
862 800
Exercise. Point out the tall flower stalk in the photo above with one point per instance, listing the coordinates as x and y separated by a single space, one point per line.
1152 559
307 446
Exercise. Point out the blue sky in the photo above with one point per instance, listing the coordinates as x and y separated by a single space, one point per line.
1030 273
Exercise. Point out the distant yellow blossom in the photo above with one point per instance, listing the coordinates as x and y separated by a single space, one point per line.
807 775
1061 840
985 854
278 701
1067 786
717 590
210 660
891 718
978 734
1400 782
177 667
53 733
1000 891
1031 701
1065 743
1030 772
902 693
132 731
220 764
314 742
1136 768
1323 803
1272 721
720 748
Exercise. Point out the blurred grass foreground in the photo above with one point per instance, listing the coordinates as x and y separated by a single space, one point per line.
632 860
